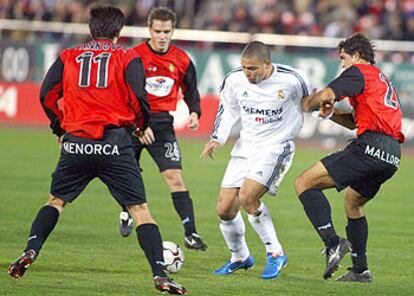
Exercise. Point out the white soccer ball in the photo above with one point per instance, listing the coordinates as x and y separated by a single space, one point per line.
173 257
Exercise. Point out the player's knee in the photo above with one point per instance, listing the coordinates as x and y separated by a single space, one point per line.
300 185
56 202
226 213
174 180
141 214
353 205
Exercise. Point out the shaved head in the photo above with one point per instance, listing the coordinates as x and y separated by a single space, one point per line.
257 49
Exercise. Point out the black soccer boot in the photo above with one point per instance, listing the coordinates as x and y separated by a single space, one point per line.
334 256
19 267
125 224
165 284
352 276
194 242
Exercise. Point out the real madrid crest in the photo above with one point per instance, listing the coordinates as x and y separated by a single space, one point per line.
280 94
171 67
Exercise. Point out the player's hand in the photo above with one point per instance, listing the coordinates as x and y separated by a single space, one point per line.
307 102
59 141
326 109
209 149
146 137
193 122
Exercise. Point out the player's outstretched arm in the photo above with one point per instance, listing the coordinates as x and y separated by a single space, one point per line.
345 119
209 149
316 99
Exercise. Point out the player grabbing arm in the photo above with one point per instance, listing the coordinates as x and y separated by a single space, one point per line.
364 165
267 99
102 86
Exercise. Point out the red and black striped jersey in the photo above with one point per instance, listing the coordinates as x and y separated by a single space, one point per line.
374 99
100 85
165 74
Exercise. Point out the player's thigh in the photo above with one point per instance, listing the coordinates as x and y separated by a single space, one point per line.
124 181
165 150
236 171
358 167
317 176
269 167
74 170
250 192
121 174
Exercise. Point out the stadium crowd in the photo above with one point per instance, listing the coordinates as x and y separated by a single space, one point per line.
379 19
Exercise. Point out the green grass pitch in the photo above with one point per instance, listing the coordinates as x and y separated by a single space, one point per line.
85 255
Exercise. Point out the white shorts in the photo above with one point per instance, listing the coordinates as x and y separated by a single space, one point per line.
266 167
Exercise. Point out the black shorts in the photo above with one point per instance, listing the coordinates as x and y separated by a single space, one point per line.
365 164
110 159
164 150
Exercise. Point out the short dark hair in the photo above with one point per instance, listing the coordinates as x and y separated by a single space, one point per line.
257 49
106 21
162 14
358 43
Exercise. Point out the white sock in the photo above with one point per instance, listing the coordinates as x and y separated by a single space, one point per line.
263 225
233 232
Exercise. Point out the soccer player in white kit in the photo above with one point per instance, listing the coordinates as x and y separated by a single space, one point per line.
266 98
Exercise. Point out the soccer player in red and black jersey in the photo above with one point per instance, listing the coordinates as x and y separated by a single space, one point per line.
102 90
364 165
168 70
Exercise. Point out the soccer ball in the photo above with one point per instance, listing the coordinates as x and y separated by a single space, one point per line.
173 257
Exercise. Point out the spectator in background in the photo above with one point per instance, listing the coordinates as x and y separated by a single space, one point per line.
331 18
394 30
344 16
409 29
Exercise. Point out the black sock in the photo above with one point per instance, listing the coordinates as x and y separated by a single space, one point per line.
42 226
149 239
318 210
357 233
184 207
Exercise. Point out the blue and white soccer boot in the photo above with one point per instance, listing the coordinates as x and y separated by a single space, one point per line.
274 265
230 267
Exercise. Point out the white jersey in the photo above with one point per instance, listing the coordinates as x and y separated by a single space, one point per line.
270 111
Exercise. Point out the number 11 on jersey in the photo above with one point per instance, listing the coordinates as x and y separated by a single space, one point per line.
86 59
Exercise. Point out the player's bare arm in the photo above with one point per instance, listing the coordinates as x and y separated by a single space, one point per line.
193 122
209 149
345 119
316 99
